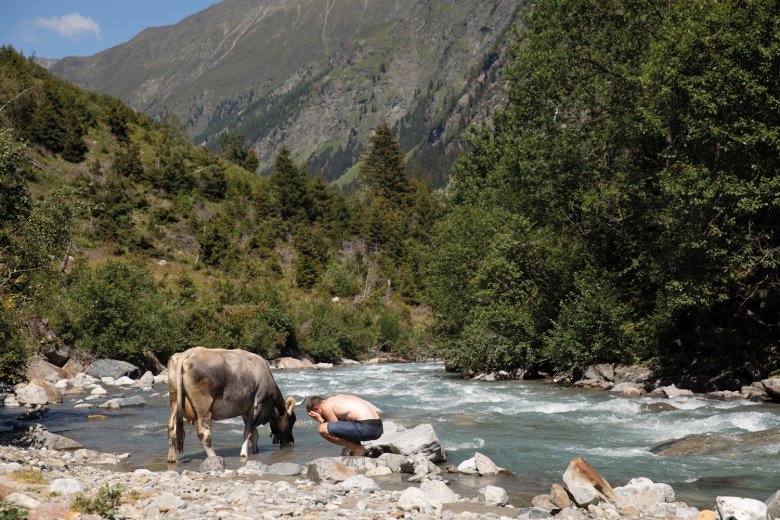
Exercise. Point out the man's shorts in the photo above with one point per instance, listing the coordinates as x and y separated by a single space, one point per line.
356 431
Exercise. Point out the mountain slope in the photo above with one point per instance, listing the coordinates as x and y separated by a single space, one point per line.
314 76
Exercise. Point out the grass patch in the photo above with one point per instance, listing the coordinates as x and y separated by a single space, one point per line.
105 503
28 476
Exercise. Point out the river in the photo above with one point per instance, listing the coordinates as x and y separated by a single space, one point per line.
533 429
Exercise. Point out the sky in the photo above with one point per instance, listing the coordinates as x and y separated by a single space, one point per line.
59 28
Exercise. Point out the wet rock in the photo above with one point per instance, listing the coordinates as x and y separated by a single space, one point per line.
392 461
348 362
39 437
34 414
65 486
97 417
359 482
773 505
122 381
288 363
586 485
494 496
628 389
10 401
772 387
147 379
289 469
99 391
123 402
215 463
660 407
672 391
420 439
38 368
328 469
723 445
80 406
485 466
253 467
533 513
31 394
380 471
725 395
358 463
323 366
113 368
741 508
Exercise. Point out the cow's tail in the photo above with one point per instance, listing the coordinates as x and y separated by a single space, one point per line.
179 428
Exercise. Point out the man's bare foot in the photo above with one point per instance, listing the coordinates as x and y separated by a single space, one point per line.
360 453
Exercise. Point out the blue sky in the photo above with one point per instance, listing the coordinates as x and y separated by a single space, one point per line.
58 28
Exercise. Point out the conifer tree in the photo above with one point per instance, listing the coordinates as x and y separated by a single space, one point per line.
383 168
291 186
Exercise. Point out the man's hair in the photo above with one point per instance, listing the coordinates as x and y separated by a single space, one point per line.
313 402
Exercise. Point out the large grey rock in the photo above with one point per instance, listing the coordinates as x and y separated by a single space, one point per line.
468 467
741 508
420 439
65 486
147 379
494 496
628 389
32 394
328 469
122 381
359 482
586 485
123 402
772 387
288 363
215 463
359 463
392 461
53 394
38 368
289 469
437 492
39 437
112 368
773 505
672 391
412 498
533 513
663 492
485 466
722 445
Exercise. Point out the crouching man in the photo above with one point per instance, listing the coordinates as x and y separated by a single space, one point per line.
346 420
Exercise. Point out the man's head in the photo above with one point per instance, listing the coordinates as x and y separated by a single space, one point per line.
314 403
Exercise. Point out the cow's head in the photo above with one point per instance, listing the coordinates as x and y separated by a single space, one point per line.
281 426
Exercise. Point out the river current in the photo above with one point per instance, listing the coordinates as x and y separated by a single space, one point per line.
533 429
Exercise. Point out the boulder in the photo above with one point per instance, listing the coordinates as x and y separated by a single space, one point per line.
533 513
39 437
72 367
215 463
253 467
287 469
672 391
773 504
38 368
328 469
392 461
164 506
722 445
21 500
437 492
544 502
707 514
725 395
288 363
420 439
358 463
348 362
161 379
628 389
772 387
147 379
663 492
632 373
359 482
49 510
741 508
485 466
586 485
54 395
494 496
123 402
82 380
32 394
323 366
113 368
99 391
412 498
57 356
559 496
468 467
10 401
65 486
122 381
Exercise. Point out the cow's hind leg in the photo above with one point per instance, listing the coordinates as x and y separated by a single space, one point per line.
172 436
201 404
248 431
255 448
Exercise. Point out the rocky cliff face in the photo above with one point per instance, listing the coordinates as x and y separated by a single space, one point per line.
317 76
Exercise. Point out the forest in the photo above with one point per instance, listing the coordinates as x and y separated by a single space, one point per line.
622 206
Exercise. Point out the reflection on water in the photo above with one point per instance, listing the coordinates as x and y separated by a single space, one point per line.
532 429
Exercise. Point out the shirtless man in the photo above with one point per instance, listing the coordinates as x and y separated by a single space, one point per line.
346 420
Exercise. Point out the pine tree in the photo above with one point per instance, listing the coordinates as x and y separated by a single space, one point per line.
291 186
383 168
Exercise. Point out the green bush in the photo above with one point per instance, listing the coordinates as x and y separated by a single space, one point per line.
116 311
339 281
13 355
105 503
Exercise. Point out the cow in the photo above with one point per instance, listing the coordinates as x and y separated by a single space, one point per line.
214 384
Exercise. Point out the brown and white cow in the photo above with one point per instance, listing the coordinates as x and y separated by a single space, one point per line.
214 384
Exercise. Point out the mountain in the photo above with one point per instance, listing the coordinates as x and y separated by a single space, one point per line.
316 76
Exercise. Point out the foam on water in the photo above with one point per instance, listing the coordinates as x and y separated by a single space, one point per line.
468 445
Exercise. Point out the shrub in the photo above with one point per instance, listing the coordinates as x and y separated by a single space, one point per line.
13 355
105 503
339 281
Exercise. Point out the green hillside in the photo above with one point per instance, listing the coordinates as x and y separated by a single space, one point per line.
123 238
316 76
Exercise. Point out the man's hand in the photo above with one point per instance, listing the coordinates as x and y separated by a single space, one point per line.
316 416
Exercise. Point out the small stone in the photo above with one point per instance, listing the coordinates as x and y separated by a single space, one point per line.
559 496
360 482
494 496
83 406
379 471
99 391
707 514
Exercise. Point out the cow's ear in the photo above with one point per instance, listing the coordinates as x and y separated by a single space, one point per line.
290 404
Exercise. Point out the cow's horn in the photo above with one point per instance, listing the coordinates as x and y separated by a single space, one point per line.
290 404
298 403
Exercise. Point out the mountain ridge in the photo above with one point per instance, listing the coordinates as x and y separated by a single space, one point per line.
315 79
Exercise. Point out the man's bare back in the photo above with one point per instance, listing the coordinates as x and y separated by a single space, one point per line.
345 407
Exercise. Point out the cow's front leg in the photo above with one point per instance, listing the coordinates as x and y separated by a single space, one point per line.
172 432
204 432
